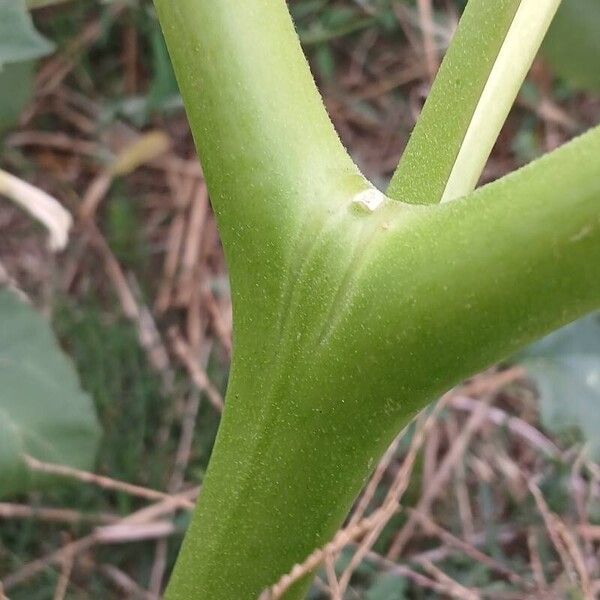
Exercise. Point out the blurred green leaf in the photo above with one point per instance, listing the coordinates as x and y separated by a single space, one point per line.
526 145
123 227
20 45
572 45
43 411
19 40
163 87
335 23
18 78
565 367
324 61
33 4
387 587
306 8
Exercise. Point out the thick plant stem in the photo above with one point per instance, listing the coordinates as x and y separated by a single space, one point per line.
351 311
363 352
272 160
258 119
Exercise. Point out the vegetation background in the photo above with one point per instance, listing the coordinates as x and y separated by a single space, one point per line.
502 495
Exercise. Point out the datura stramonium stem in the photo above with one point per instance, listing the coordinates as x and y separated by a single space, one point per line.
352 309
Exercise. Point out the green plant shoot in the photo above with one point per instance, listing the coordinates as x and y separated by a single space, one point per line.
354 309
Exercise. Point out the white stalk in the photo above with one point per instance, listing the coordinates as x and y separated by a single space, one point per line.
523 39
40 205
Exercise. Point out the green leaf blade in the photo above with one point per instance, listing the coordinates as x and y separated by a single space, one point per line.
572 46
43 411
17 77
19 40
565 367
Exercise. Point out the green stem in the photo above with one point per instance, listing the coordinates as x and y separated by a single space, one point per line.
257 117
272 160
405 321
474 90
351 311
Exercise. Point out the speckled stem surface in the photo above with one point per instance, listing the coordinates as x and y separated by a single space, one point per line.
351 310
